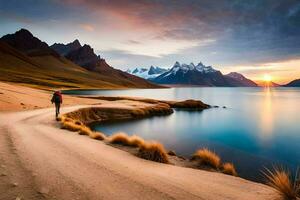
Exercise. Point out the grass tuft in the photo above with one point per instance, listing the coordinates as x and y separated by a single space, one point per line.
70 126
84 130
207 158
136 141
153 151
120 138
78 123
67 119
228 168
280 180
97 136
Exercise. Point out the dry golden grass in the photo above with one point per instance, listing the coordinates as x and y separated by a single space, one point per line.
84 130
126 140
207 158
280 180
69 125
158 109
120 138
78 122
67 119
136 141
97 136
153 151
228 168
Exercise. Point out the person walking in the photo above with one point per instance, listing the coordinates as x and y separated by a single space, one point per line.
57 99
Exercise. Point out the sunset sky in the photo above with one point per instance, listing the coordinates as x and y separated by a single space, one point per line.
254 37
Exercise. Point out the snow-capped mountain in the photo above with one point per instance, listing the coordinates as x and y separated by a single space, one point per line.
184 68
184 74
147 73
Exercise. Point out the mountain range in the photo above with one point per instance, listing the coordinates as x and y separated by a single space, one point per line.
201 75
147 73
191 74
28 60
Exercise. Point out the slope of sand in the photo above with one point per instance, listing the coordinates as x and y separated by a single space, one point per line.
38 160
15 97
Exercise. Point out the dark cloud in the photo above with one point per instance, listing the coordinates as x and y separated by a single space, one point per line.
262 29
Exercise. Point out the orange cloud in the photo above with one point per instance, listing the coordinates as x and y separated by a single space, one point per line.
87 27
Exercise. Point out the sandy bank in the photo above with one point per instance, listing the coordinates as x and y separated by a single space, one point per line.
106 113
187 104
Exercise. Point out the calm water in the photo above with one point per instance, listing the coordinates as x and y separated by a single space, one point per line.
259 128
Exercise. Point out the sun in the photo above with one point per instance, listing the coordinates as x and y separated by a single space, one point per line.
267 78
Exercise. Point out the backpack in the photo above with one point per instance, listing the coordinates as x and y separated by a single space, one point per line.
56 98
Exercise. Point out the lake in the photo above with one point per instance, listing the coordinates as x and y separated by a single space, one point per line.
260 127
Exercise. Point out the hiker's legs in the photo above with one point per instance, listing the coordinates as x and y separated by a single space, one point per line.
57 106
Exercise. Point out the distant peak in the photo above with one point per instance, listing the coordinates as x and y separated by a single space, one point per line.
235 75
177 64
87 46
200 64
135 71
76 42
23 31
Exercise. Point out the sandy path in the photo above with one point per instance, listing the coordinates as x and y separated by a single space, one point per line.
41 161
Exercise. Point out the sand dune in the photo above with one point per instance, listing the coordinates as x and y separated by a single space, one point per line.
41 161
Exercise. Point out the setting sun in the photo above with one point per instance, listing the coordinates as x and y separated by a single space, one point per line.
267 78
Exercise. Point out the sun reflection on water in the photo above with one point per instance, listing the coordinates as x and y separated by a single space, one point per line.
267 114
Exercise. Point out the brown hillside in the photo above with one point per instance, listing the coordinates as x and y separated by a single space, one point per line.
49 71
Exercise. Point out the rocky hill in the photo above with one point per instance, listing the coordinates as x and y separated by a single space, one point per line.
26 59
63 49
